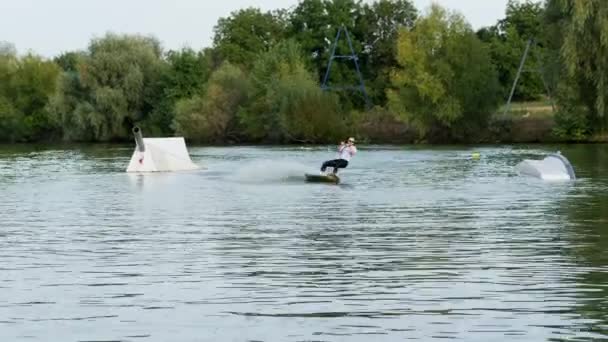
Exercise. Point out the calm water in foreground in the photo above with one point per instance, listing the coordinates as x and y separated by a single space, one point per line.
416 244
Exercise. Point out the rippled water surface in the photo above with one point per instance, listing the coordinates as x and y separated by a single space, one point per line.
415 244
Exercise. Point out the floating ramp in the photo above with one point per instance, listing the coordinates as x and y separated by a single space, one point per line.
552 167
160 155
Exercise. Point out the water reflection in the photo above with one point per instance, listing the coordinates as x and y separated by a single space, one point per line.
417 243
587 243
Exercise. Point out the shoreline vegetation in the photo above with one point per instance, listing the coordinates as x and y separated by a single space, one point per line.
430 77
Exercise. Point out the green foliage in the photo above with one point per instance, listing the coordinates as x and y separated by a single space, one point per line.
381 23
8 68
247 32
445 79
373 29
10 121
287 103
111 90
572 119
68 61
507 41
580 36
183 76
314 25
210 116
34 83
260 80
26 84
571 124
525 16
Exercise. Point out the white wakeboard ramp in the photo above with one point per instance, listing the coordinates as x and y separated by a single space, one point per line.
160 155
553 167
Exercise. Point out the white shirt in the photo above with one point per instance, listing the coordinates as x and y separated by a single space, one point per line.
346 152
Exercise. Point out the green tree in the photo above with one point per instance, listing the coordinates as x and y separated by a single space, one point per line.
373 30
210 116
247 32
112 90
445 80
26 84
287 103
507 41
182 77
68 61
10 118
314 25
33 85
579 36
10 121
525 16
382 21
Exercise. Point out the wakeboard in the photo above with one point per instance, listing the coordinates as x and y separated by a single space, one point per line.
329 178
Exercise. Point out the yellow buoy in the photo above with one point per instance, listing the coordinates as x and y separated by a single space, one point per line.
475 155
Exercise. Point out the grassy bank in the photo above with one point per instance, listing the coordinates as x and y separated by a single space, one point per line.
524 122
532 109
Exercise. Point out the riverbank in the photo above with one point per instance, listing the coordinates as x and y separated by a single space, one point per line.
527 122
391 131
523 122
520 125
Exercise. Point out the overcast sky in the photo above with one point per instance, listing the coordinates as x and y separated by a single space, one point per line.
49 27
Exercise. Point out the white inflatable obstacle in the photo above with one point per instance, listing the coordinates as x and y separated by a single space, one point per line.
553 167
159 155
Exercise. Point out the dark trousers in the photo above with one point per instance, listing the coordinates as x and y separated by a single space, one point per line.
336 164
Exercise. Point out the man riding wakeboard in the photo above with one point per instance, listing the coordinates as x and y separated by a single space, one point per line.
345 152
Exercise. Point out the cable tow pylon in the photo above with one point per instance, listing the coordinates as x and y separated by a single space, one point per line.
529 45
353 56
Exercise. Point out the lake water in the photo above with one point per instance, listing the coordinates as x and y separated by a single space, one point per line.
417 243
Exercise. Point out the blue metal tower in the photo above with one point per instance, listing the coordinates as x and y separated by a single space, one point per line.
353 56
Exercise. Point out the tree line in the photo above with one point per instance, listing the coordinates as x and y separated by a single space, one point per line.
427 72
